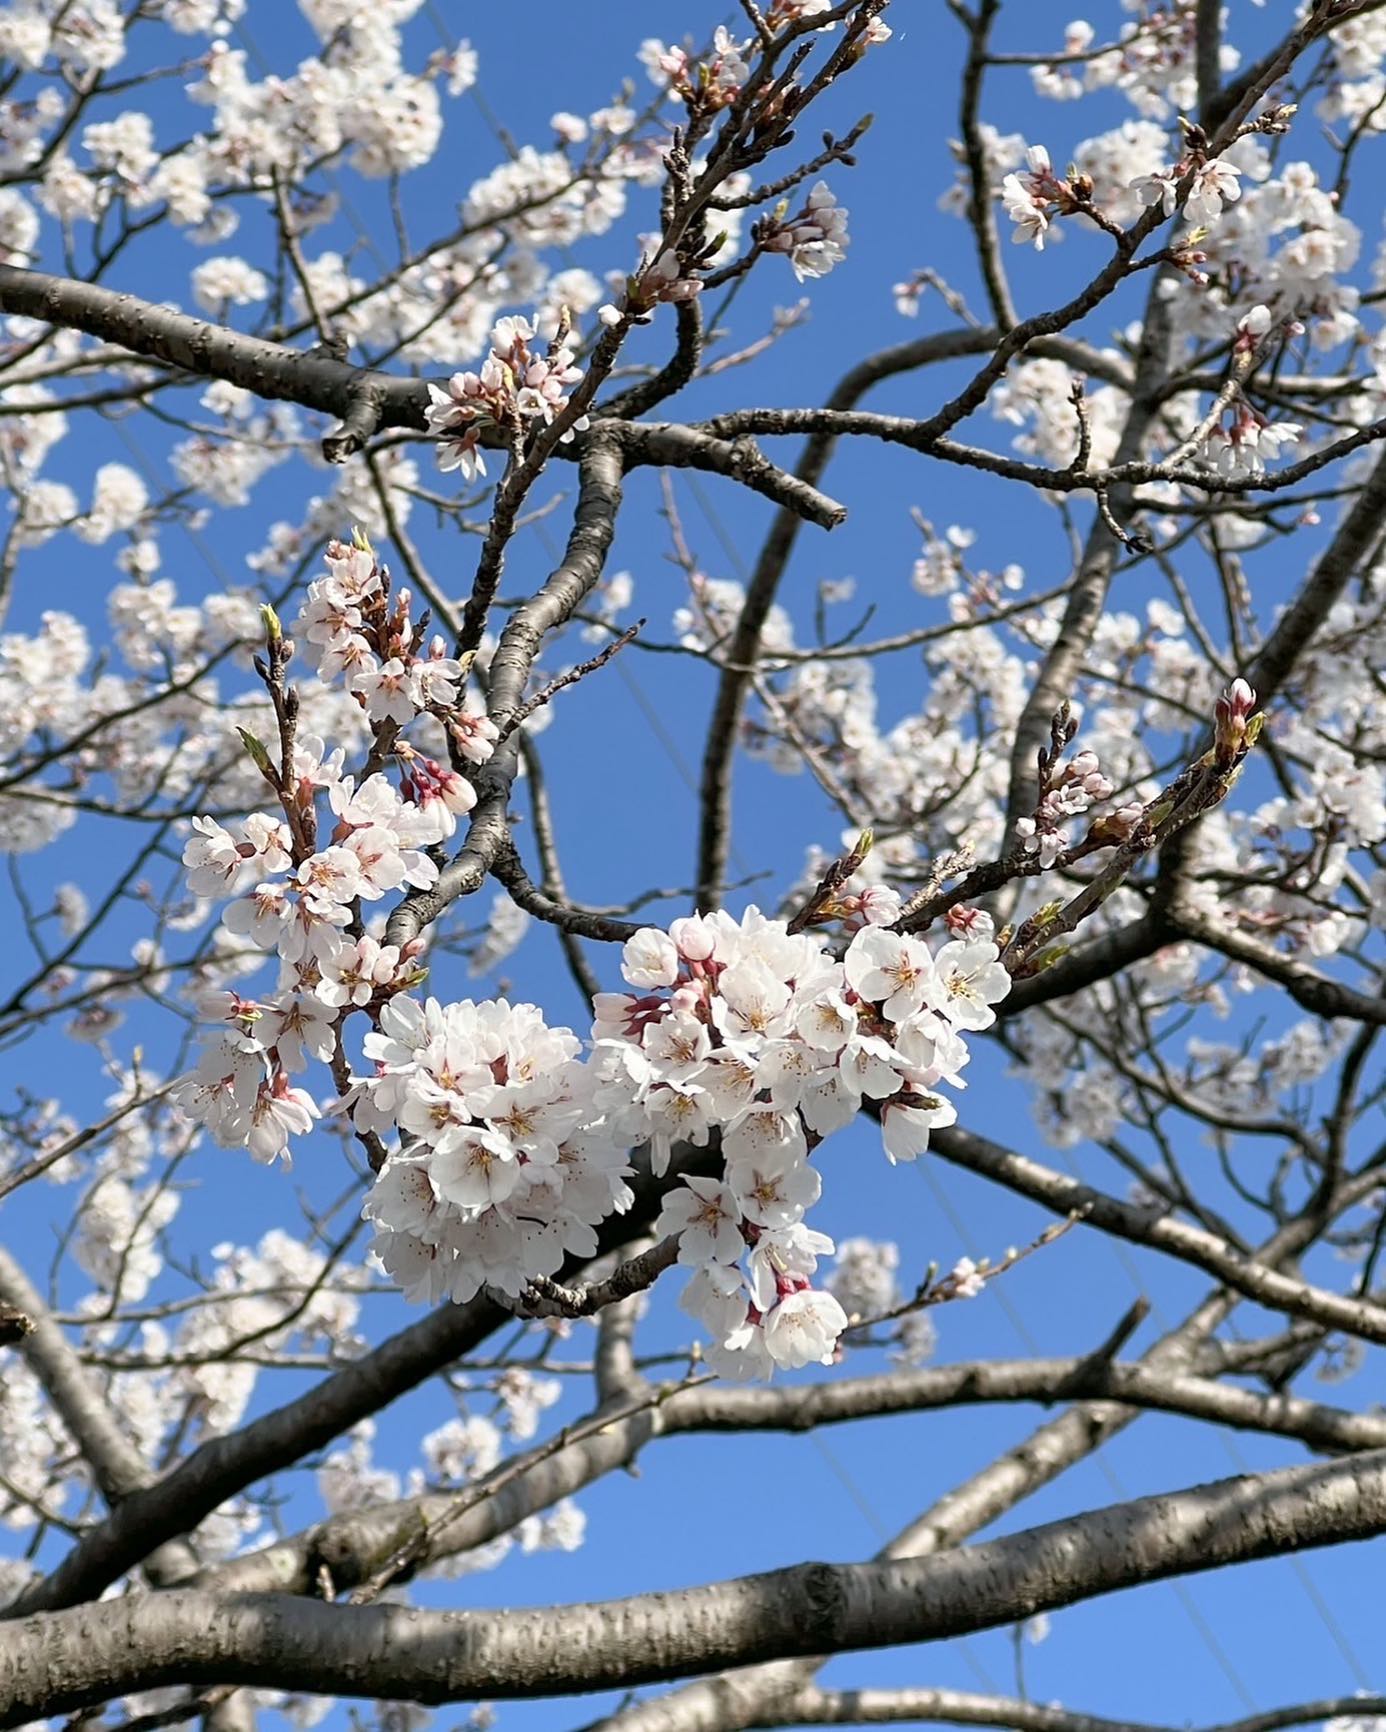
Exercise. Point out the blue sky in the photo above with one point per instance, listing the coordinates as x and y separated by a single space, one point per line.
620 756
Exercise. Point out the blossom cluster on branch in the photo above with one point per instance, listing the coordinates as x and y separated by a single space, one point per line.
508 1147
762 1035
516 388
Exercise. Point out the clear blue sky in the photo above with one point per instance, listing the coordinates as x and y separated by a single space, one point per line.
621 756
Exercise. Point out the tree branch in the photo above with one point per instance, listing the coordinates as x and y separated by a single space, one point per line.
728 1701
225 1466
815 1707
116 1465
71 1659
599 500
1162 1232
363 401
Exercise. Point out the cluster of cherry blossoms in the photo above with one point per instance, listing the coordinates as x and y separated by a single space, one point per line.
814 239
1034 200
707 84
1038 197
1215 184
501 1147
352 628
761 1034
1077 787
507 1161
302 902
517 388
711 81
513 1147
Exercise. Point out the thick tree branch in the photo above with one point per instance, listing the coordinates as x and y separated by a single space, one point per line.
1078 477
1089 1378
1208 56
816 1707
580 922
353 1544
1316 992
116 1465
1163 1232
363 401
981 205
733 1700
668 446
225 1466
488 833
366 402
71 1659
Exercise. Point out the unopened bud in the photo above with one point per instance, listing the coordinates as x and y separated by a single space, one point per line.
1157 814
1047 957
257 752
1232 722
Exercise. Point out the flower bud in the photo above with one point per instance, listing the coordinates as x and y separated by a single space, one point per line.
1232 721
694 938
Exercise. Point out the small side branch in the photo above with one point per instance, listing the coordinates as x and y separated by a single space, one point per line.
571 678
668 446
552 1300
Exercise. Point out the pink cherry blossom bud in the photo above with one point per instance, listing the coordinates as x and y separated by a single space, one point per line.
1251 327
649 959
694 938
1231 714
1124 820
878 905
964 922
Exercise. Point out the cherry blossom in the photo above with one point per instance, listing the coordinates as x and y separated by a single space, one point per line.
707 1220
1216 183
517 385
803 1328
815 239
972 980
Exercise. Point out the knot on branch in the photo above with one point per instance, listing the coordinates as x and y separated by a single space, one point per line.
823 1598
14 1325
365 405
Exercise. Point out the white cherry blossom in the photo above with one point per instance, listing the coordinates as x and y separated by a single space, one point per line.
705 1215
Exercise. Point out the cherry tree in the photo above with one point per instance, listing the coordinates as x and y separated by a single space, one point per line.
1115 834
